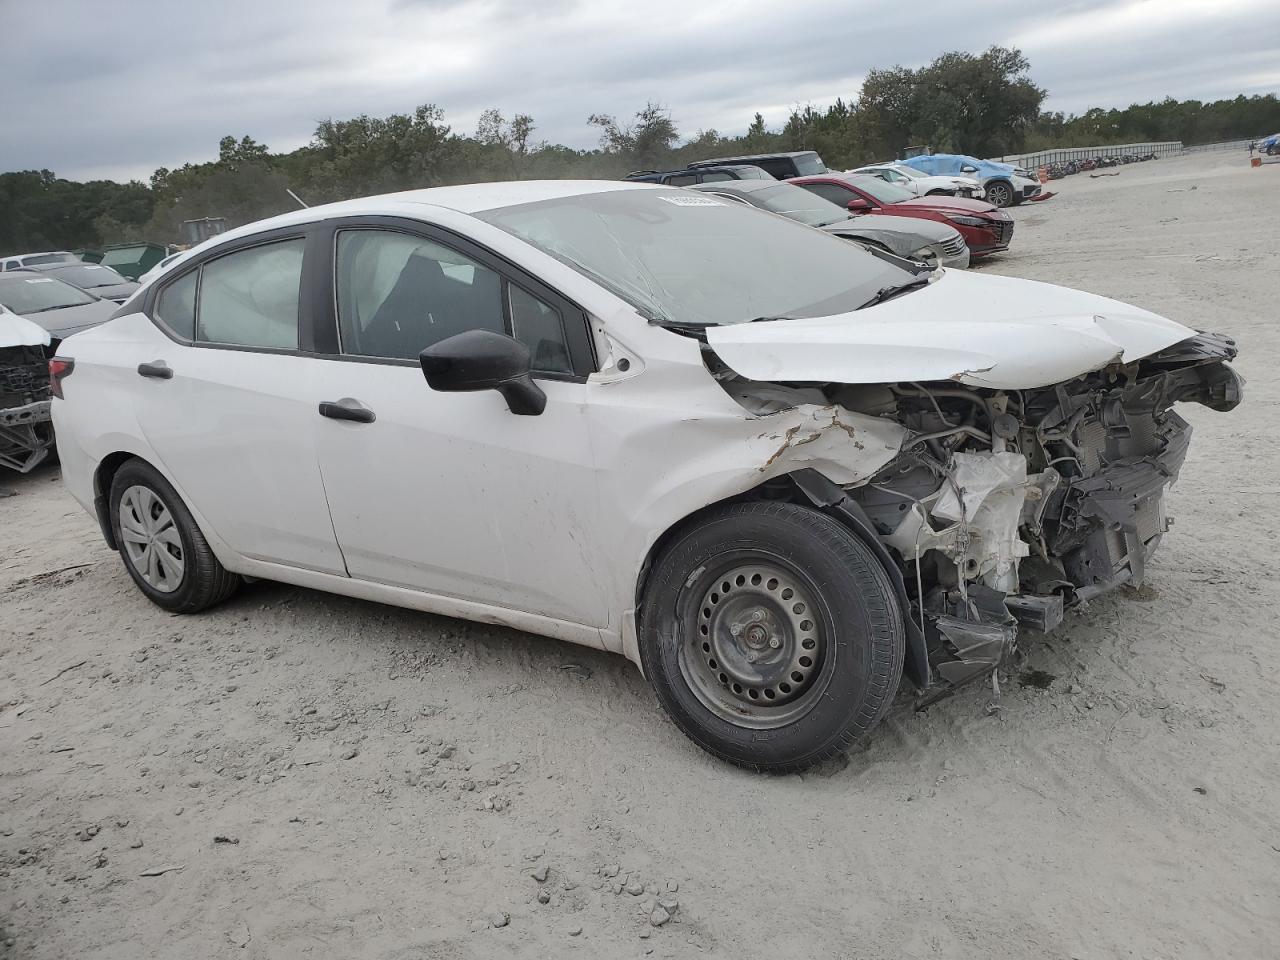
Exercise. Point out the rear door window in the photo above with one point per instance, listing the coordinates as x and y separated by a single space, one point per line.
250 298
809 164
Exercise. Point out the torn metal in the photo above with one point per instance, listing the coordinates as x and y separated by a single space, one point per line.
26 434
1001 508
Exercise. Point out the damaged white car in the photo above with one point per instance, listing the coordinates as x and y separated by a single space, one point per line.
777 472
26 433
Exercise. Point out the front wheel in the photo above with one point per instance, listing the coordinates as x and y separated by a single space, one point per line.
163 550
1000 193
771 635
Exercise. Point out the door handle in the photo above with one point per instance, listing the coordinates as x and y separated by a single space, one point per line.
158 370
346 409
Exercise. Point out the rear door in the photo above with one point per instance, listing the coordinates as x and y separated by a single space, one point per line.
450 493
222 393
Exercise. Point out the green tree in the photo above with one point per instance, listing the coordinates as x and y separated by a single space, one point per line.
646 141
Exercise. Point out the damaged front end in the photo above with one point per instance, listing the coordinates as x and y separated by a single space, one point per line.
1004 507
26 432
1008 506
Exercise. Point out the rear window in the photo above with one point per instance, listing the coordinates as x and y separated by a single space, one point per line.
809 164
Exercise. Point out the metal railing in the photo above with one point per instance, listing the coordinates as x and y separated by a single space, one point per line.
1166 148
1224 145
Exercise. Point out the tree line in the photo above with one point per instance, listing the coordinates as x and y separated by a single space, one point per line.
982 104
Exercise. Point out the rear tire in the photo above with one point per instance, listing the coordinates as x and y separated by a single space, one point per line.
162 547
771 635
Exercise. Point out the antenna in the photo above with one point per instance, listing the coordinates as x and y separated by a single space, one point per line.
298 198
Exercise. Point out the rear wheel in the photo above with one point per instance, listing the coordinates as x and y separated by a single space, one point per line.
163 550
1000 193
771 635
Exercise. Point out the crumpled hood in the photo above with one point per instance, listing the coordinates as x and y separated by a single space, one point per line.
983 331
18 331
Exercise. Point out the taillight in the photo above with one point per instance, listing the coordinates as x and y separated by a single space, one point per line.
59 369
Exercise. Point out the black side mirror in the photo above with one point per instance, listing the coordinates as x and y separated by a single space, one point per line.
484 360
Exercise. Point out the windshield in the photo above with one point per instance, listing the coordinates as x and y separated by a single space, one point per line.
883 192
28 294
797 203
697 260
909 172
86 276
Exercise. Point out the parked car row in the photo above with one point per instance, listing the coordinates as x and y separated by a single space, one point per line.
780 473
931 244
880 206
1005 184
923 184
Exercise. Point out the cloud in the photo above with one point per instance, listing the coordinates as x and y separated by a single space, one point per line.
158 83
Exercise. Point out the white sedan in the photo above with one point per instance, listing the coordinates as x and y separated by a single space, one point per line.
923 184
776 471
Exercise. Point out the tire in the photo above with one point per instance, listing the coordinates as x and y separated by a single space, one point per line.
1000 193
784 562
184 576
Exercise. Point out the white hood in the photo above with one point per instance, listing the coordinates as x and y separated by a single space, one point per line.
16 331
983 331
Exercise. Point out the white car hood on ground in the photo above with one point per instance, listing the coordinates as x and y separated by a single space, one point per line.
983 331
17 331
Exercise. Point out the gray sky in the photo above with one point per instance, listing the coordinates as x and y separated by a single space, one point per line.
118 89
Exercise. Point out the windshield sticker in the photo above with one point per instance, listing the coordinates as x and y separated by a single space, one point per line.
93 266
693 201
41 280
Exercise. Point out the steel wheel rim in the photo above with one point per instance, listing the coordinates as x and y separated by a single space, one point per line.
150 539
772 670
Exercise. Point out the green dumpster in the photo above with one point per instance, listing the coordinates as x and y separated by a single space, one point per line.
133 259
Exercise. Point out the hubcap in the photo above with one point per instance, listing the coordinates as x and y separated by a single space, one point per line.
150 539
756 648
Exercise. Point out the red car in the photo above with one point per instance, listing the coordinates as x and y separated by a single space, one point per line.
985 227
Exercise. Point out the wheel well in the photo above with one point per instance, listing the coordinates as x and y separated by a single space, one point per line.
102 478
778 488
811 489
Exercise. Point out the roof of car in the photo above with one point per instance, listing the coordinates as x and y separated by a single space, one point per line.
701 168
747 158
469 198
37 253
736 186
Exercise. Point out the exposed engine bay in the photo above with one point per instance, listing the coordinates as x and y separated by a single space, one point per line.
1003 508
26 433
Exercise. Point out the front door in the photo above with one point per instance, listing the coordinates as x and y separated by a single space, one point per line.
451 493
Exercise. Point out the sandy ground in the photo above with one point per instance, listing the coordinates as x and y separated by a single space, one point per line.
387 784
